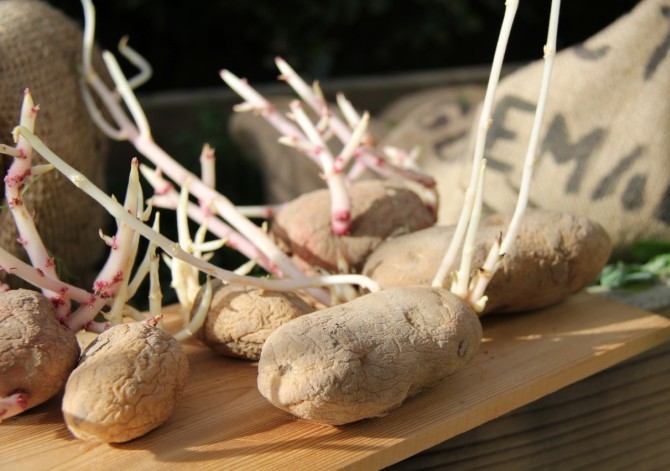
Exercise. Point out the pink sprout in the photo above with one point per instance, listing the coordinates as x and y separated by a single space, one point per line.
11 180
104 288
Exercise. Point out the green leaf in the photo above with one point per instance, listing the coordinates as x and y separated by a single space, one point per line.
622 275
659 265
612 275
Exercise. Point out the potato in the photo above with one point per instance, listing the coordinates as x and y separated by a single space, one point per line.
554 255
37 353
241 318
363 358
127 383
379 210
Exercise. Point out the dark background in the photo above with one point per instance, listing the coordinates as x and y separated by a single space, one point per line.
188 42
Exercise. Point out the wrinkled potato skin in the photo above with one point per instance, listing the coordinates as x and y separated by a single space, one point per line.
379 210
363 358
241 318
127 383
555 255
37 353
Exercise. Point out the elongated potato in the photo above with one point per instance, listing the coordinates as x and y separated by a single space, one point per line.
127 383
555 255
363 358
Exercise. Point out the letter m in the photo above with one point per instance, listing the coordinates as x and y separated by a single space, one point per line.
558 144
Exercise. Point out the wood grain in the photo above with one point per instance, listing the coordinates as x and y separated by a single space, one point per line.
224 423
616 419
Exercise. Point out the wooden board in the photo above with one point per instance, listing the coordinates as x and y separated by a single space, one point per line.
224 423
615 419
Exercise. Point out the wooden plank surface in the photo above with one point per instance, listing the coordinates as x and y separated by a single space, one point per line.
614 420
224 423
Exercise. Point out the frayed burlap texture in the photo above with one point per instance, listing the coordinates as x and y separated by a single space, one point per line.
40 49
605 145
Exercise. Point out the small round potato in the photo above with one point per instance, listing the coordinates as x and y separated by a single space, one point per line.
379 210
127 383
37 353
363 358
241 318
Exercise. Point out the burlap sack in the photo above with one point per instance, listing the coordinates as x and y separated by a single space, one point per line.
40 49
286 173
605 145
439 122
